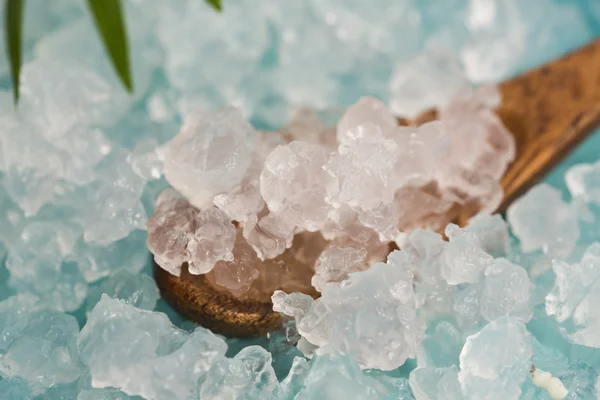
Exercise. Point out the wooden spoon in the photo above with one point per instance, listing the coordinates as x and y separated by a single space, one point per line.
549 110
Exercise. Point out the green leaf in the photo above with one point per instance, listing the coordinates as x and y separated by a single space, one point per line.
216 4
109 21
13 12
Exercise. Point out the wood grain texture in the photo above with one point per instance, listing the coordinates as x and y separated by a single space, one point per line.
549 110
194 298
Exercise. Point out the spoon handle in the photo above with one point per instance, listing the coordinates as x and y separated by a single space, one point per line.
550 110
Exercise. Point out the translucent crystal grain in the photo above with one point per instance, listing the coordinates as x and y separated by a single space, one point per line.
38 264
580 381
161 361
293 184
178 233
38 255
573 297
269 236
248 375
423 207
583 182
441 345
307 126
344 225
394 386
335 263
480 147
464 259
436 383
14 316
113 208
420 151
368 111
90 100
506 291
492 233
295 305
543 221
426 248
428 80
382 220
212 241
147 159
357 317
14 388
209 156
340 377
305 80
434 296
38 345
38 168
466 306
495 361
83 150
64 391
362 167
294 381
245 200
97 261
169 231
105 394
138 290
11 218
377 26
29 188
239 274
189 49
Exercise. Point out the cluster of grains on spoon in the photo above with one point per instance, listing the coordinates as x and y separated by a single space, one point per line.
242 196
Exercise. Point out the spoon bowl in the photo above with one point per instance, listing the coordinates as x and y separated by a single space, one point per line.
549 110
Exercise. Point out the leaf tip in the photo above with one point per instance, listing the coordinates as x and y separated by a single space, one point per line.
110 24
13 20
216 4
128 83
16 96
